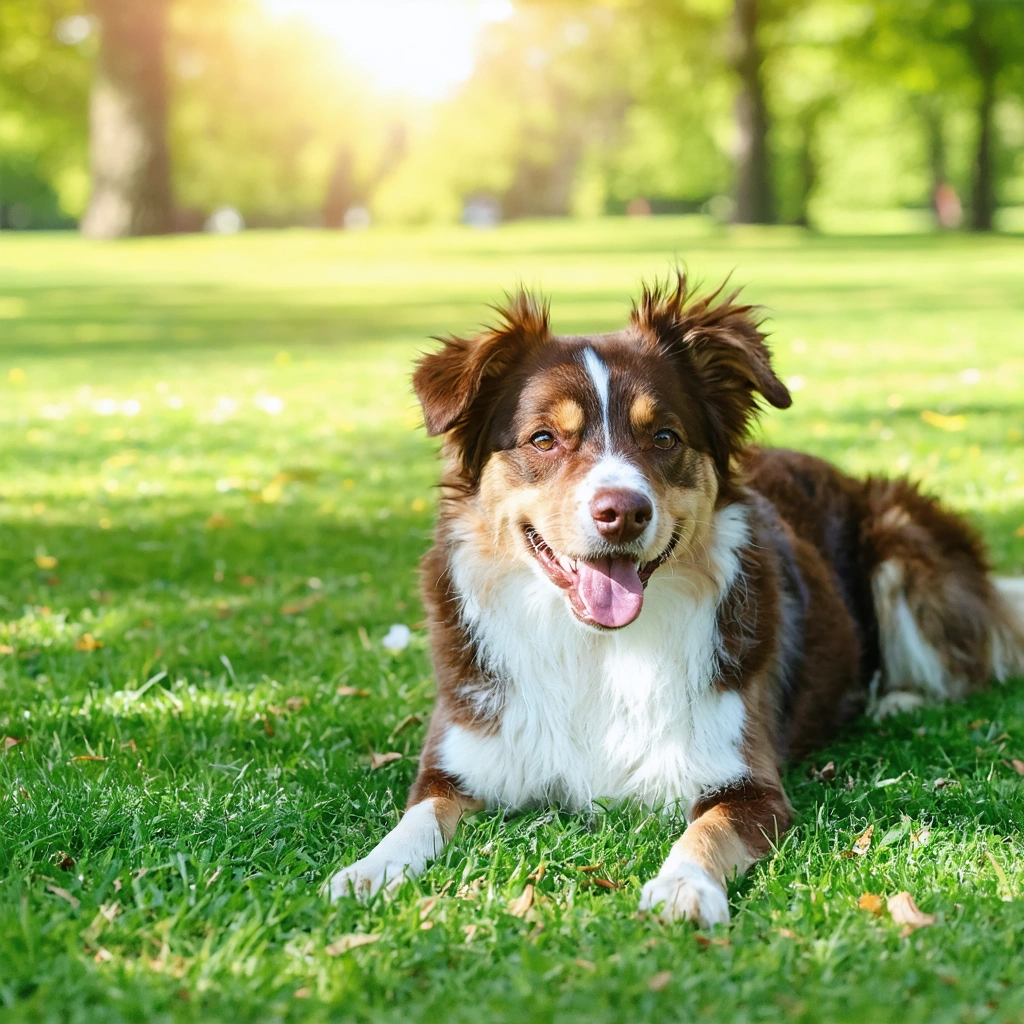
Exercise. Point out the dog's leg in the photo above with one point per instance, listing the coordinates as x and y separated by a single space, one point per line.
404 852
728 831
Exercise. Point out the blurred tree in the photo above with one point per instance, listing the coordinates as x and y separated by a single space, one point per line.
44 75
753 191
128 155
963 49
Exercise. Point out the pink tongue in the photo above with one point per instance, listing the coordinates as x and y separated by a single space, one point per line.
611 591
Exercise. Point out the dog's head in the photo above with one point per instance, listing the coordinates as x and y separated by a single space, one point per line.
595 458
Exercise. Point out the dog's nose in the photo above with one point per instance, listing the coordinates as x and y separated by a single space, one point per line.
620 515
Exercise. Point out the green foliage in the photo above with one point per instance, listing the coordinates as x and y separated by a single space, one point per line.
139 451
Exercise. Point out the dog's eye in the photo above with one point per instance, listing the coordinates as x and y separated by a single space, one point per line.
665 439
544 440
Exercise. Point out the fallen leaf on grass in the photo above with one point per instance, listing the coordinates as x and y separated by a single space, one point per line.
587 965
65 895
88 757
103 955
303 993
347 942
871 903
403 724
522 903
64 861
1018 766
296 703
948 423
861 844
659 981
303 605
538 872
787 933
87 642
606 883
470 930
10 741
352 691
379 760
906 912
590 867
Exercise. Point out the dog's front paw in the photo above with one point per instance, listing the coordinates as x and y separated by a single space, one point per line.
686 892
366 877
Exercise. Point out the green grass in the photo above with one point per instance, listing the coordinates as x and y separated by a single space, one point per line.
238 566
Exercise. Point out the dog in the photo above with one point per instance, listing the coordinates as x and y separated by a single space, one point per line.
628 600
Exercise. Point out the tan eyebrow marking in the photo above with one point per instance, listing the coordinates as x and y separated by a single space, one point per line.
641 413
567 417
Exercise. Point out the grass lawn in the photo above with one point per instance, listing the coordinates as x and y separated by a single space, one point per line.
213 493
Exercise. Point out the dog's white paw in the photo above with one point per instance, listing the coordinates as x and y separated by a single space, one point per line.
366 877
686 892
896 703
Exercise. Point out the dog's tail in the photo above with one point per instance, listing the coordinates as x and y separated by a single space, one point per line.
1008 628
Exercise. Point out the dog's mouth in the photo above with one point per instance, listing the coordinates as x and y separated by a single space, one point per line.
606 591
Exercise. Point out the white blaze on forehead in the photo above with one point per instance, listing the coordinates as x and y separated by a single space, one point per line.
598 373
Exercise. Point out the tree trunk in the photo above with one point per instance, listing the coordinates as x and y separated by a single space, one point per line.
128 157
983 198
983 192
754 200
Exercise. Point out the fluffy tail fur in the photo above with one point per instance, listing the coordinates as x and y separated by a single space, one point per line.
1008 629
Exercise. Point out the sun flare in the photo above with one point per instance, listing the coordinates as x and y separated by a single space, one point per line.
420 48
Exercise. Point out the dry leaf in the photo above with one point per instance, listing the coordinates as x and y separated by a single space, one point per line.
425 926
303 605
88 757
303 993
379 760
949 423
606 883
296 703
905 911
590 867
46 561
522 903
427 906
11 741
403 724
87 642
587 965
352 691
65 895
64 861
787 933
470 930
1018 766
538 872
871 903
659 981
347 942
862 843
102 955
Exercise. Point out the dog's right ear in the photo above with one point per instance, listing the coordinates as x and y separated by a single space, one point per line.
449 383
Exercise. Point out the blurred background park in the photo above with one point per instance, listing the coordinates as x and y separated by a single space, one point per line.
227 228
153 116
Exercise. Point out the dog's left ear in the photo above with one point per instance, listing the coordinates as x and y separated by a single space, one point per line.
721 348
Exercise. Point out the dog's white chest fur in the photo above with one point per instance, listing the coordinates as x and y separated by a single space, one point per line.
584 715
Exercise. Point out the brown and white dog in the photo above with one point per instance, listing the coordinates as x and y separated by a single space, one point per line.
628 601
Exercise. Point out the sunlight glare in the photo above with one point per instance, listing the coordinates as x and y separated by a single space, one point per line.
422 48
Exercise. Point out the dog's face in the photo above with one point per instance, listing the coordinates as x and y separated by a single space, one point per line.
597 459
